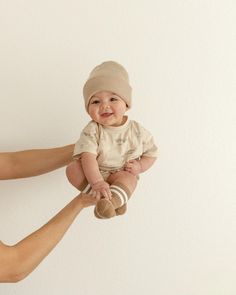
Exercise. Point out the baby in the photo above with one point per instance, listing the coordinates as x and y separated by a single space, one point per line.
112 150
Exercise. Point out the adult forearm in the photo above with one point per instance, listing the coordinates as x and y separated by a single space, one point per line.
28 253
33 249
35 162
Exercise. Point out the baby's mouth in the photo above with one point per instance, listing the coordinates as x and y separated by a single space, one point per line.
105 115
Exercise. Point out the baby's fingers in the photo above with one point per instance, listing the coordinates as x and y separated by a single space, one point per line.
96 195
107 194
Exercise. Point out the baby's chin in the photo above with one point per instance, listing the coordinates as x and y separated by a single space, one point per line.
111 120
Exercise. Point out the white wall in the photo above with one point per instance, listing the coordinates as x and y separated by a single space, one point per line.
178 237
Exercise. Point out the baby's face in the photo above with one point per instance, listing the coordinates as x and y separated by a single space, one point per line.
107 108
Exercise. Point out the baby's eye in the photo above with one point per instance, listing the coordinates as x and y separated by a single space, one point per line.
96 101
113 98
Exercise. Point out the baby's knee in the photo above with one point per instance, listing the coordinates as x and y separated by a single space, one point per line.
129 176
75 174
69 170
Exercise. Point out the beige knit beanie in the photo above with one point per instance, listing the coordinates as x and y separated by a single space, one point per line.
108 76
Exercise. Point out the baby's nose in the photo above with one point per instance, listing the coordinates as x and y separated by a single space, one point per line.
105 106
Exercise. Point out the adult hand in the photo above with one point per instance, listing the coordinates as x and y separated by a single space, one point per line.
87 200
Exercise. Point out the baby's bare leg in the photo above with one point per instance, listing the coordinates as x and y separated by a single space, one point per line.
75 175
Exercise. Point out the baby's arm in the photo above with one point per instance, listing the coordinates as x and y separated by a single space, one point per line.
93 176
136 167
146 163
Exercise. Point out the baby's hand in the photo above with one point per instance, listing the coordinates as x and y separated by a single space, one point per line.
101 189
133 166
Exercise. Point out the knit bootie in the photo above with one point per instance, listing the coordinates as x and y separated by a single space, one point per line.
104 209
116 206
121 210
